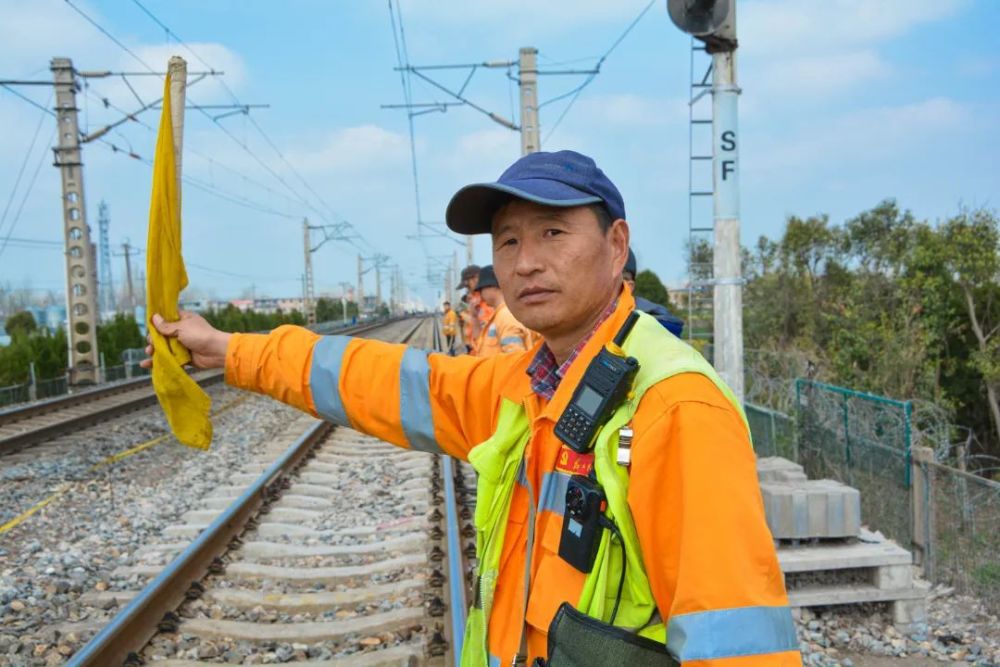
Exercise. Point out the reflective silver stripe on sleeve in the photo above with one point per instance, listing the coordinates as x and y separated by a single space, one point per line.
415 401
324 378
512 340
728 633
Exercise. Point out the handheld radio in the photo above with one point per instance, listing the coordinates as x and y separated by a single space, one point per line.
604 387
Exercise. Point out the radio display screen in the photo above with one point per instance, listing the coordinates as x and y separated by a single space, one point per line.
589 401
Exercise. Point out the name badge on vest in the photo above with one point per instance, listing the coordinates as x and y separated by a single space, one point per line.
574 463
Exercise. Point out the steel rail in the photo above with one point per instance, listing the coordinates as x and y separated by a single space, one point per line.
133 627
458 602
31 435
145 396
456 577
17 413
9 415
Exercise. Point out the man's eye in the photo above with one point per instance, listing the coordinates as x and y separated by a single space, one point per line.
553 232
508 242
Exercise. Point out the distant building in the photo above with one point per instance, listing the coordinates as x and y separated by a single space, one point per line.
196 306
272 306
289 304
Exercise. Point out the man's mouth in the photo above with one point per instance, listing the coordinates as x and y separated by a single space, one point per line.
533 293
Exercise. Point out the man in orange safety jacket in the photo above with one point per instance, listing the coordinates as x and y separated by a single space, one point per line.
502 332
449 326
479 311
684 556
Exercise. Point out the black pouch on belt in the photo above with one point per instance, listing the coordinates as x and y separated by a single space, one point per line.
577 640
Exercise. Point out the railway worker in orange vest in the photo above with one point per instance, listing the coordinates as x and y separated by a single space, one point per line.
502 332
617 483
449 326
479 311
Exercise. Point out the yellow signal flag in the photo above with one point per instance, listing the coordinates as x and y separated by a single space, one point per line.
184 402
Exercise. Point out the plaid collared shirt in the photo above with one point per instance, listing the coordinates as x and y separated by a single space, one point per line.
546 374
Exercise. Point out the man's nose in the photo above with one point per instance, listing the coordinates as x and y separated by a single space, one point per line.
530 259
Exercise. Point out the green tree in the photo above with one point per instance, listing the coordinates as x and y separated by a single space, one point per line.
116 336
233 319
649 286
971 240
328 310
47 351
21 324
14 362
885 303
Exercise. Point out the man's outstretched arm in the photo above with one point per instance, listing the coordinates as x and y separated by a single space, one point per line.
400 394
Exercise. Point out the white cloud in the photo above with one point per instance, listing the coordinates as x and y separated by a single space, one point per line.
631 110
797 27
475 156
33 31
553 13
817 76
856 139
353 149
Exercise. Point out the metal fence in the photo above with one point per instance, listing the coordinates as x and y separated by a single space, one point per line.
949 517
15 393
58 386
773 432
864 441
962 525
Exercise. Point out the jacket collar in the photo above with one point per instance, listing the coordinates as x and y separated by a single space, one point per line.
519 390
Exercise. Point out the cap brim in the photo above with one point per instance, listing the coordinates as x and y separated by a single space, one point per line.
472 208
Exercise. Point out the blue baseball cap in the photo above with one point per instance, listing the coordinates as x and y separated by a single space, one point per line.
563 178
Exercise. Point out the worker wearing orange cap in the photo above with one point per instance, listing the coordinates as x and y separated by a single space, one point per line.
618 515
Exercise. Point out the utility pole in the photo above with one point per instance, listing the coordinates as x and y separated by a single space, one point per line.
107 290
714 23
128 276
378 284
308 302
81 284
529 129
527 77
361 285
344 287
82 307
452 287
447 286
392 292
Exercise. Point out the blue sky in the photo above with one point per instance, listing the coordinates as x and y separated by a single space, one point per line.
845 102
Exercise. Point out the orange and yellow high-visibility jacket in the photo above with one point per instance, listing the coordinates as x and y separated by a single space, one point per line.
692 493
502 333
449 322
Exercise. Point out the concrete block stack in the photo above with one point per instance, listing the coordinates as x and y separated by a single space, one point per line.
822 546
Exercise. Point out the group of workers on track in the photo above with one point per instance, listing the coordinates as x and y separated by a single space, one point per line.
618 515
489 328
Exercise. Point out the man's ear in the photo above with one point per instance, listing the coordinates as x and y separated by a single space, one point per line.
619 236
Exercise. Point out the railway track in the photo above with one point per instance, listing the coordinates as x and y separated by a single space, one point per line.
38 422
333 548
